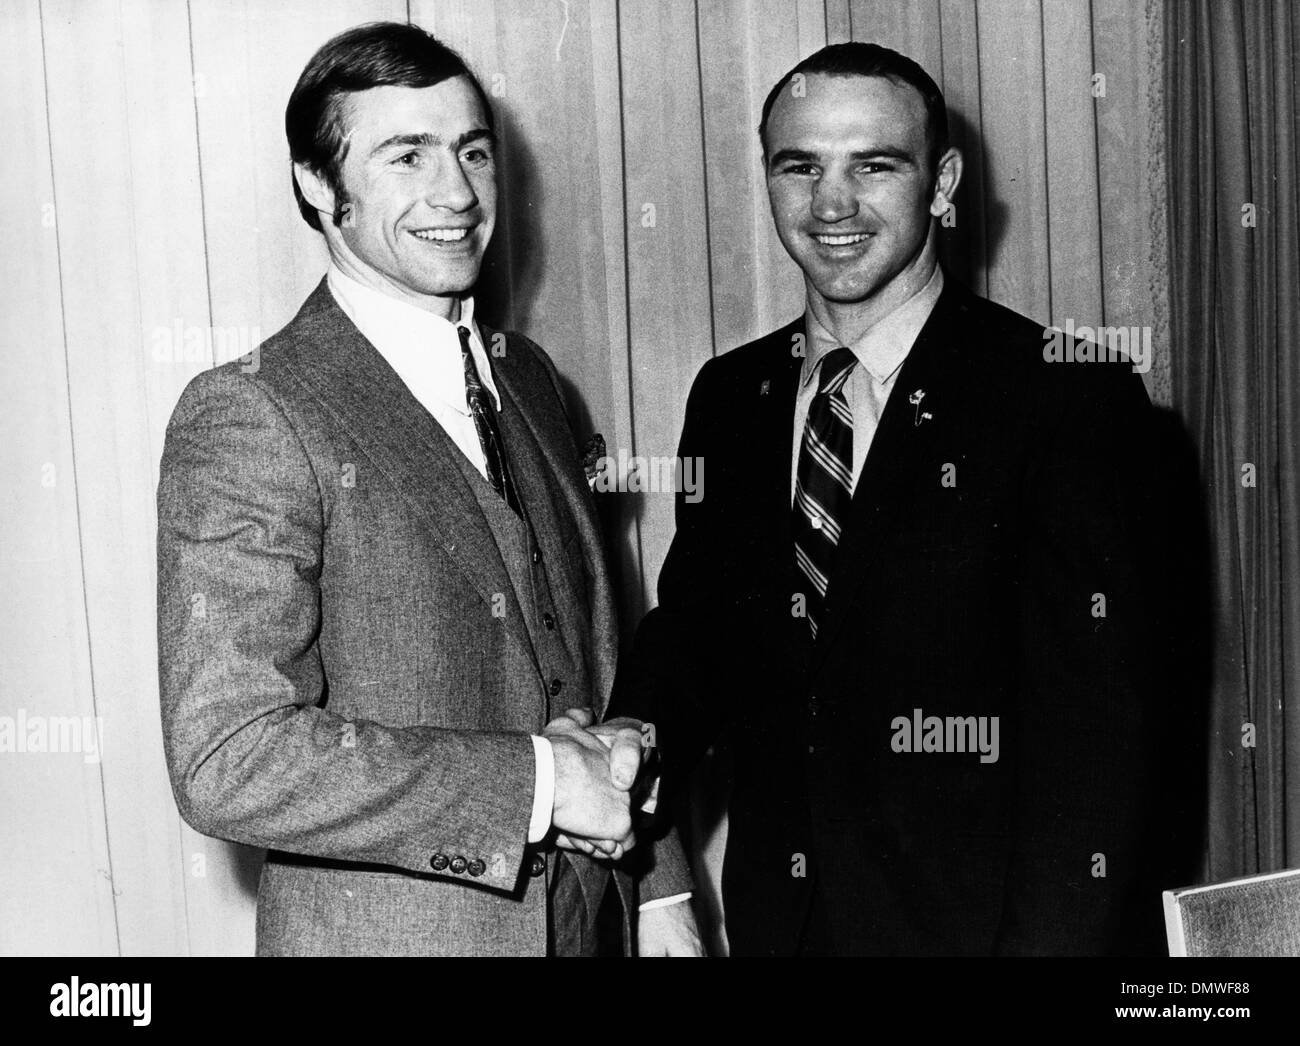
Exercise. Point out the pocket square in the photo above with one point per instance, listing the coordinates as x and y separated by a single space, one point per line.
592 453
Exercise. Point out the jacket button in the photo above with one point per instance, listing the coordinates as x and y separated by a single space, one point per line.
538 866
476 868
549 621
457 865
537 555
556 686
813 705
438 862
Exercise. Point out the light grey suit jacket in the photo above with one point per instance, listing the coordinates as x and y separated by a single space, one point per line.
346 676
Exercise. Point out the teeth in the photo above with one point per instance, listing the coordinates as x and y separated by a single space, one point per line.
839 241
442 235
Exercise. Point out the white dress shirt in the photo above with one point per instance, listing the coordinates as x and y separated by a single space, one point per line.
880 350
424 350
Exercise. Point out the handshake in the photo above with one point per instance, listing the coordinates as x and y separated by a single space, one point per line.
601 777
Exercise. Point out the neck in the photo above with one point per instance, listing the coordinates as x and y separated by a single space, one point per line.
848 321
445 306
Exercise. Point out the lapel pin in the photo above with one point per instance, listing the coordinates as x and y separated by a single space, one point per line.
765 388
915 400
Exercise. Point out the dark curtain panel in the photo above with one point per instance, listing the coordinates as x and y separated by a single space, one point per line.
1234 245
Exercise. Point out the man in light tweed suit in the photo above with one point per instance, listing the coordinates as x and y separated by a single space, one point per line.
380 573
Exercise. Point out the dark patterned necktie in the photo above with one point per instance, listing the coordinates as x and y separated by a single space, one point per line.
489 438
824 479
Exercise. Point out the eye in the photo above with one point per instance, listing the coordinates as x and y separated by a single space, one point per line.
798 168
411 159
876 168
476 156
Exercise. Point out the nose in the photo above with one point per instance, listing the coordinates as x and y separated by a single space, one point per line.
449 187
833 198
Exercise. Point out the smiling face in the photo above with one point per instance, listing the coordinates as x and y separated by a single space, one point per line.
851 188
419 187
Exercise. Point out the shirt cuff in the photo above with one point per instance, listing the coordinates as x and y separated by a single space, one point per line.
543 790
664 902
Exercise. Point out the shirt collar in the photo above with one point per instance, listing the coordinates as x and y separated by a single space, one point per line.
408 336
883 347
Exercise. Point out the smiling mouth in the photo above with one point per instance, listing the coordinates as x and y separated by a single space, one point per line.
840 239
440 235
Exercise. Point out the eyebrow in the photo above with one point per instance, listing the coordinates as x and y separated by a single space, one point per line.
426 140
885 152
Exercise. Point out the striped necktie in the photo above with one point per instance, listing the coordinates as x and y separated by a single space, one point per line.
823 485
489 438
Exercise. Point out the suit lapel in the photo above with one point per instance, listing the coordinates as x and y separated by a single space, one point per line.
893 462
367 399
544 419
769 478
778 393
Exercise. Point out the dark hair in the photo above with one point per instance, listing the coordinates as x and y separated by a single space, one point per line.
862 59
377 54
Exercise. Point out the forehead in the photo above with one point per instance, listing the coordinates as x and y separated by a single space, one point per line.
834 112
448 108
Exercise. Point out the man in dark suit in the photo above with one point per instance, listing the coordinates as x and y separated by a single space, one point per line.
913 594
380 571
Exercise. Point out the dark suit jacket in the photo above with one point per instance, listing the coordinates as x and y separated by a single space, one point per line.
976 598
347 678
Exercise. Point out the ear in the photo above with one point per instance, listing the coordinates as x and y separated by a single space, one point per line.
946 180
316 191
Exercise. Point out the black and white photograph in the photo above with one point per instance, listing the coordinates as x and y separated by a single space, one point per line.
652 478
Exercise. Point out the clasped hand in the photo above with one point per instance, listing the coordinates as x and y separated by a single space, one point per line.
596 767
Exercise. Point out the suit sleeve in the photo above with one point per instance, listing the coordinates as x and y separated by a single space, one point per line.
254 752
1082 730
668 676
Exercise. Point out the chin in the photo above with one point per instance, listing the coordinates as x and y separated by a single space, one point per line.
849 293
443 284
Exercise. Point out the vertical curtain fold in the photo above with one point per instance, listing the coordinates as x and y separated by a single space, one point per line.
1234 252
